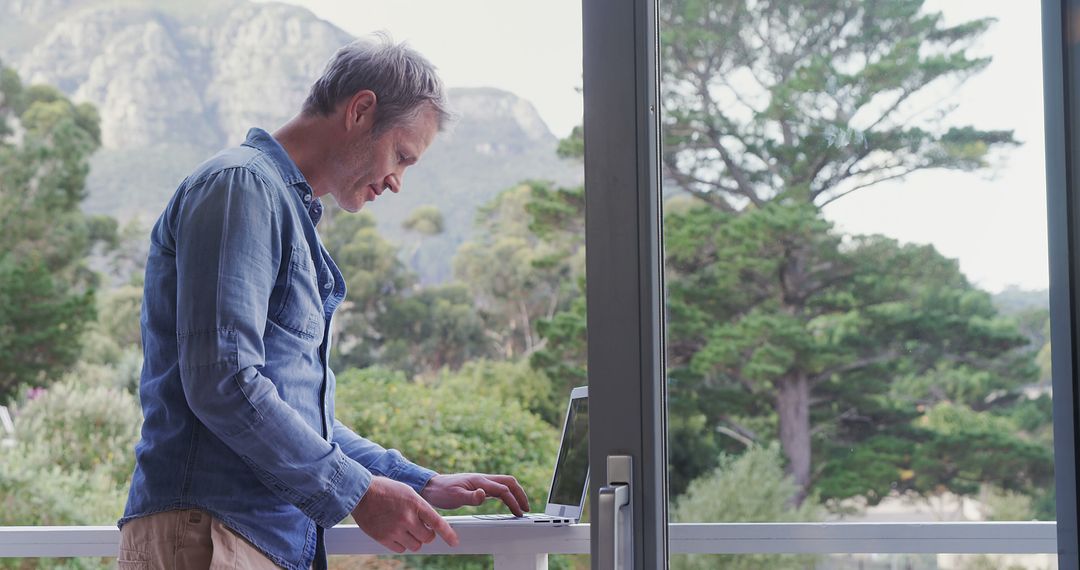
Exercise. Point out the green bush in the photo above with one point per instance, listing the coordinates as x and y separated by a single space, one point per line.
512 381
115 335
71 461
458 424
454 426
80 425
751 487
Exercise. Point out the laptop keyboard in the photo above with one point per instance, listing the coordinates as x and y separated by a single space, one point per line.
536 517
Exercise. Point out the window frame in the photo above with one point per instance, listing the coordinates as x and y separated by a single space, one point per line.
624 263
1061 71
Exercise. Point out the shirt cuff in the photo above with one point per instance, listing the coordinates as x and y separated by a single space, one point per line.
335 503
394 466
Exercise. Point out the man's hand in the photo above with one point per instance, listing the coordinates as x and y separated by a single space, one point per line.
453 491
397 518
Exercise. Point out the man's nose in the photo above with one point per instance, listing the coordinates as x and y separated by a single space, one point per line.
393 182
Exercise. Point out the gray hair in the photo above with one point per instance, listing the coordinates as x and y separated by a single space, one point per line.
402 80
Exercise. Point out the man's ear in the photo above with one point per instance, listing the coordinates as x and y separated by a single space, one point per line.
360 110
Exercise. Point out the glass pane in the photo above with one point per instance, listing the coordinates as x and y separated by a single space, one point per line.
855 247
463 329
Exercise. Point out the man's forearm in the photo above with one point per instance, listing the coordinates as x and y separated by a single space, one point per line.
380 461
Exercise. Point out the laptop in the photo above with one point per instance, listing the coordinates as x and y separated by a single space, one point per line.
566 496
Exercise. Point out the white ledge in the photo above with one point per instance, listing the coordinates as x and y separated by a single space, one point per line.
686 538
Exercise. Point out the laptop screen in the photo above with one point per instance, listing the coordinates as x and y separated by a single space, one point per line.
572 468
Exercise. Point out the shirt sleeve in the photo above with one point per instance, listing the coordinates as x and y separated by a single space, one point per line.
382 462
228 253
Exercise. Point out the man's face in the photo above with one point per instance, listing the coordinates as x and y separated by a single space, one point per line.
378 164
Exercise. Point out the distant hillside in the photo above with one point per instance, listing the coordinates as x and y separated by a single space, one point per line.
1014 300
175 81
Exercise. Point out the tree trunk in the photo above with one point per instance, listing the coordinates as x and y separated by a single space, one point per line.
793 409
793 388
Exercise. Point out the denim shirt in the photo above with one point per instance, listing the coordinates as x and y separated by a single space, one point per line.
236 392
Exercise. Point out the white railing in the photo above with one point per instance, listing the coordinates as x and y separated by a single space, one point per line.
518 548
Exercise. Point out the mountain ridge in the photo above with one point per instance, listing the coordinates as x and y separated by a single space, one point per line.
175 82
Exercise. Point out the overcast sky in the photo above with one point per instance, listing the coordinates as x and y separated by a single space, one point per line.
994 223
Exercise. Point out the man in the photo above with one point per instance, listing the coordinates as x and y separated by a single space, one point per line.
241 462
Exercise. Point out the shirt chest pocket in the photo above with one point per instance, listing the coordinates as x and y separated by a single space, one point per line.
300 311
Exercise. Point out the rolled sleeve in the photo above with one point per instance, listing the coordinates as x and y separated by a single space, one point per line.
228 255
379 461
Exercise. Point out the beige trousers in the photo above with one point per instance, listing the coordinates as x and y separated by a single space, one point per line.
187 539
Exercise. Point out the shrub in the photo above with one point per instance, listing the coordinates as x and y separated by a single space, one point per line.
751 487
512 381
72 459
451 427
458 424
80 425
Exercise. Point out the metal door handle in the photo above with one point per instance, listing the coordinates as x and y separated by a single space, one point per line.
612 499
616 536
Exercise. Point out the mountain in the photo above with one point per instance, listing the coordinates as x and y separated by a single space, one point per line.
1014 300
176 81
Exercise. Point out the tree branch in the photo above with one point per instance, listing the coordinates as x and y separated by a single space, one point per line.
736 431
849 414
843 173
745 187
687 182
871 183
853 366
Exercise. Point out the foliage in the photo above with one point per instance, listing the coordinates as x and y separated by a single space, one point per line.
516 275
112 342
780 328
751 487
374 277
772 111
82 423
426 220
563 354
811 100
424 331
387 319
457 424
73 457
573 146
898 333
454 425
46 288
970 447
885 333
1001 505
512 381
41 322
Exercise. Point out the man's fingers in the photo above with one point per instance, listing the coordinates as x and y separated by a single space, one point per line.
423 534
409 541
515 488
493 488
439 525
395 546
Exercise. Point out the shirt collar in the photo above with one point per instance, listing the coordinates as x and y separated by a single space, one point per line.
290 173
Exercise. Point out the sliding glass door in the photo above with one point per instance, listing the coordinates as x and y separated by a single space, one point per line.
817 261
